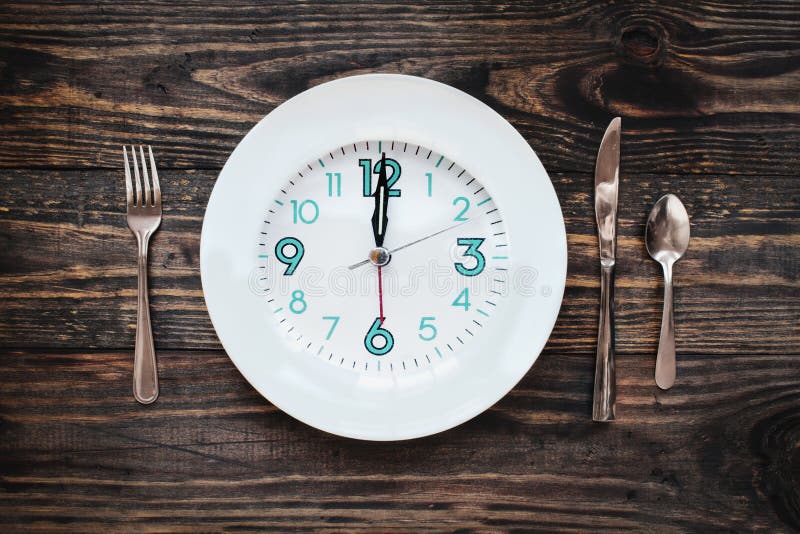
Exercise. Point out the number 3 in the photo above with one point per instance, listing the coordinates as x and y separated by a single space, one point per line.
473 243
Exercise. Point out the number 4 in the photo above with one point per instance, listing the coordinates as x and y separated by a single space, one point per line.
462 300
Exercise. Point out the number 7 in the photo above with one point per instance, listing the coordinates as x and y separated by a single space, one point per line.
335 319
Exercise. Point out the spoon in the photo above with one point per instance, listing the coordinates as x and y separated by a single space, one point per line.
667 240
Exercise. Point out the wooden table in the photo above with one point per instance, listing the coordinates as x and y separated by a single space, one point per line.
708 93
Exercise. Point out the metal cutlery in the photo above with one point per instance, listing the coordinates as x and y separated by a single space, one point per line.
667 240
606 186
144 217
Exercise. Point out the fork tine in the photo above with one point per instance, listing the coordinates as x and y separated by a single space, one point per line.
136 175
146 179
128 183
156 184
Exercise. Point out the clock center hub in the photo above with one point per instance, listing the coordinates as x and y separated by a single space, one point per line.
379 256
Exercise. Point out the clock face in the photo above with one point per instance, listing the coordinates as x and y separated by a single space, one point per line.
382 256
389 269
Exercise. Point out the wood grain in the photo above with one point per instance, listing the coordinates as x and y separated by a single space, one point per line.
708 95
69 277
76 452
699 84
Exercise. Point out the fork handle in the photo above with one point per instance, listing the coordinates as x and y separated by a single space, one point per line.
605 389
145 375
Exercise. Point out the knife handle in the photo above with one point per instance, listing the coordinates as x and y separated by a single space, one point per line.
605 389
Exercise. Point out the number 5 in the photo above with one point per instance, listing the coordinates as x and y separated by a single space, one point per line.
425 325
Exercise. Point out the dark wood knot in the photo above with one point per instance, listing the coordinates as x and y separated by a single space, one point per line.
642 44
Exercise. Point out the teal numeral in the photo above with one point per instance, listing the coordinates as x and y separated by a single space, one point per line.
462 300
338 177
366 170
298 304
472 244
465 202
292 261
391 179
376 331
430 183
300 212
335 319
426 324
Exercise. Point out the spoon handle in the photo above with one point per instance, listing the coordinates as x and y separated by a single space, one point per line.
665 361
605 389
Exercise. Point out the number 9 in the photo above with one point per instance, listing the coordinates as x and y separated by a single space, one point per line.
292 261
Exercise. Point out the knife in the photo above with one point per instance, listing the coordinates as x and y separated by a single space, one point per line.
606 188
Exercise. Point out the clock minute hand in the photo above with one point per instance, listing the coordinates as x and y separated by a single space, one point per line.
401 247
379 216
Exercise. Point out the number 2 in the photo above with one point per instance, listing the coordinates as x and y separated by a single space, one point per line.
465 201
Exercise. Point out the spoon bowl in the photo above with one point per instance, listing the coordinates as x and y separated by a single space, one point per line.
667 238
667 230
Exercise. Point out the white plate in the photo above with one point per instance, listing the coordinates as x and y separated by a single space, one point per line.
429 393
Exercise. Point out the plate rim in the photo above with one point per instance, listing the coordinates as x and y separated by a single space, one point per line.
318 91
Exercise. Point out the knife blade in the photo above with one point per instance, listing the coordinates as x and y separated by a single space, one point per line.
606 191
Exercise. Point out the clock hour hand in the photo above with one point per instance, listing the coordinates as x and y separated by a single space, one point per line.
379 217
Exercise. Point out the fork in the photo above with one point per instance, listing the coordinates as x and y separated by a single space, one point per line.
144 217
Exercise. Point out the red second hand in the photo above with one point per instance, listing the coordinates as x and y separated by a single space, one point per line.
380 292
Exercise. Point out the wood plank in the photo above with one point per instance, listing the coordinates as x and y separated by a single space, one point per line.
708 94
703 87
68 278
717 452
